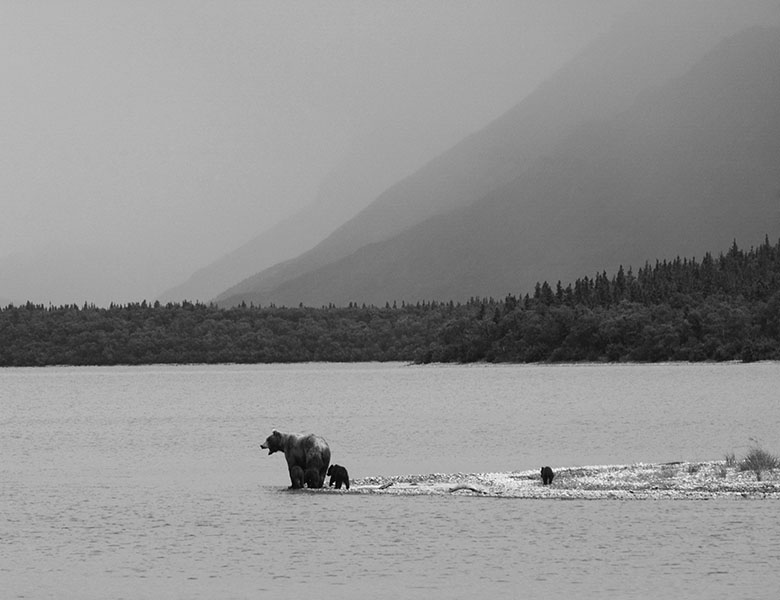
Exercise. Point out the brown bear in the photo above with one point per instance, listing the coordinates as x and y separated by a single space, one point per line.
338 476
547 475
307 452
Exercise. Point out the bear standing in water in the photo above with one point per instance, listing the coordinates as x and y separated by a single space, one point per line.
547 475
307 455
338 475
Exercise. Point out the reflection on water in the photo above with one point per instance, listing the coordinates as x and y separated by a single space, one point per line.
150 482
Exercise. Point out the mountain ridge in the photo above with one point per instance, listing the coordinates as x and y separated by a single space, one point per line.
693 163
596 84
374 163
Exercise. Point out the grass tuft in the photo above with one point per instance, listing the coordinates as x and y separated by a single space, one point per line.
759 460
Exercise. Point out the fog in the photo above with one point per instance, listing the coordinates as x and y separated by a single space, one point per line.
142 140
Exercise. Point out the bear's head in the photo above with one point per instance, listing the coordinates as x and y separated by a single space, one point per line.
330 470
273 443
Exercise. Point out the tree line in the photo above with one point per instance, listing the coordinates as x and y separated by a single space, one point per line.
717 308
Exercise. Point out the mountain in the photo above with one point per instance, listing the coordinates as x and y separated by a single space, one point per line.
688 167
375 162
280 242
647 48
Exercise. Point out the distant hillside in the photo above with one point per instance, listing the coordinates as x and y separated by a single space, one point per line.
689 166
647 48
375 163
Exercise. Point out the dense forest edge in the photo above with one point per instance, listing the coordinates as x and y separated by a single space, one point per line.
714 309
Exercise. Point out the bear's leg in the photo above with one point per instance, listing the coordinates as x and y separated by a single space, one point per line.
345 476
312 478
323 473
296 477
315 472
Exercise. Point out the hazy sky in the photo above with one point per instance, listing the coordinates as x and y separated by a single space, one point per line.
180 129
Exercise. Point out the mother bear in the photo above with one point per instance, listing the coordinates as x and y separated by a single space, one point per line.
308 452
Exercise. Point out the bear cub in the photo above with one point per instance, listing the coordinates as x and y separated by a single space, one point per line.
547 475
338 475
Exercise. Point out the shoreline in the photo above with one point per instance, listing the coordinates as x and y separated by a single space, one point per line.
696 480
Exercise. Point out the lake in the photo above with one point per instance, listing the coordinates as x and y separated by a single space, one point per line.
149 482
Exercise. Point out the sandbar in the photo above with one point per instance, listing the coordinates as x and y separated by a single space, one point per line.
640 481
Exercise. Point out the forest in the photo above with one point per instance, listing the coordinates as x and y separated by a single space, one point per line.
719 308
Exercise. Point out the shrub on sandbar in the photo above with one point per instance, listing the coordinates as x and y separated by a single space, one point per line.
759 460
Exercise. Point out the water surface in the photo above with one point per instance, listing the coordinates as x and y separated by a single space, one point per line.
148 482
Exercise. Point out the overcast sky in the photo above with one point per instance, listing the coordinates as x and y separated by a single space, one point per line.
181 129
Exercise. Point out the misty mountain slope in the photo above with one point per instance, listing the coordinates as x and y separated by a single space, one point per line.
647 48
374 163
281 242
686 169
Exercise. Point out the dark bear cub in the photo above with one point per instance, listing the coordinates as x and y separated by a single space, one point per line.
547 475
338 475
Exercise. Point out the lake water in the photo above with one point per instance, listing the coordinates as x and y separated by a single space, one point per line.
149 482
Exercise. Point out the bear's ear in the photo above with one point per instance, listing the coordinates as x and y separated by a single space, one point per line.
274 432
